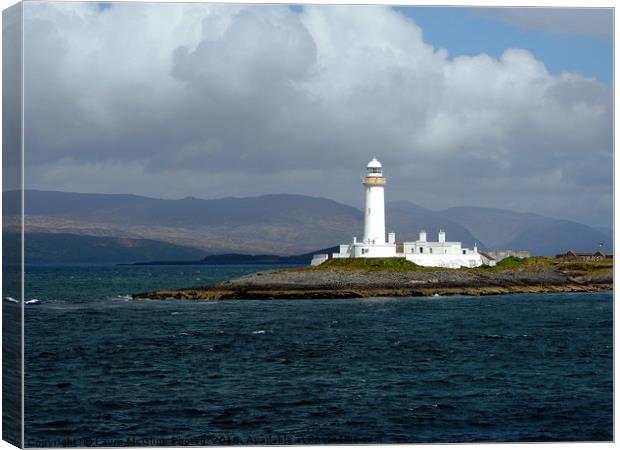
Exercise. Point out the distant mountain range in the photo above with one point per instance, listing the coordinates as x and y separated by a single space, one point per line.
407 219
66 227
539 234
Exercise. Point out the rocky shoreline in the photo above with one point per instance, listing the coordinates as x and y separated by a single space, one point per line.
338 283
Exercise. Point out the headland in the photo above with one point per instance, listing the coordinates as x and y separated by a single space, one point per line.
390 277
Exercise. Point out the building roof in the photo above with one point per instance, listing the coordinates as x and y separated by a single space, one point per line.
486 255
374 164
582 254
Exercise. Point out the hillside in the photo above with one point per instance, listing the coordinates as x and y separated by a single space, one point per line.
187 212
264 225
408 219
539 234
271 224
48 248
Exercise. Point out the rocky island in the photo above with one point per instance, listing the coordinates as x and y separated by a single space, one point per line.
389 277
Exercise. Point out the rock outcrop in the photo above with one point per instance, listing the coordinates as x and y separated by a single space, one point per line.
339 283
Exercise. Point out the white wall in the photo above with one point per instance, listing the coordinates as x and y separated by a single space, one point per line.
374 251
453 258
374 215
451 261
319 259
436 248
361 250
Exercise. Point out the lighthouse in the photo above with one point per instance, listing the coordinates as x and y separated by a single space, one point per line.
423 252
374 216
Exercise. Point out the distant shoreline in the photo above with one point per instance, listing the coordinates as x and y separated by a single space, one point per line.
238 259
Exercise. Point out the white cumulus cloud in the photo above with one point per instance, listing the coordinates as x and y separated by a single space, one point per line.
216 100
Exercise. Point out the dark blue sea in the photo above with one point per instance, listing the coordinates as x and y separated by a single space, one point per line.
102 370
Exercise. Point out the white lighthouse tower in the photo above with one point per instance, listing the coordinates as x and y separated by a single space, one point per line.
373 244
422 252
374 217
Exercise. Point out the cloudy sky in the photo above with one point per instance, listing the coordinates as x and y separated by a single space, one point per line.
496 107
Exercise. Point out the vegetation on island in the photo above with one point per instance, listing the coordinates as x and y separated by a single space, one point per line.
532 264
574 267
371 264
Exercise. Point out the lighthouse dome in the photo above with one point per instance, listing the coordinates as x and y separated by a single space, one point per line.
374 164
374 169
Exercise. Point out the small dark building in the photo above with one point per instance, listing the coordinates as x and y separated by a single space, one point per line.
598 256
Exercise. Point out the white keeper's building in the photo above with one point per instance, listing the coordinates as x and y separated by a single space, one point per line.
424 252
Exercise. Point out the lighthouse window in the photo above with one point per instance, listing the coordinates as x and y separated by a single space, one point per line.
421 249
431 250
374 170
464 252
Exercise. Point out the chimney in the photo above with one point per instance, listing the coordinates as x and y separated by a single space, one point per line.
423 236
442 236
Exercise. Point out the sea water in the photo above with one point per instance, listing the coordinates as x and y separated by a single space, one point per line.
105 370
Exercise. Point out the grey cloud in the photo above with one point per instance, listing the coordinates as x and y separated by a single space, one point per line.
11 98
213 100
593 21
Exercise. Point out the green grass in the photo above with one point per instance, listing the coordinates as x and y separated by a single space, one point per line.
511 261
402 265
536 263
393 264
579 267
533 264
